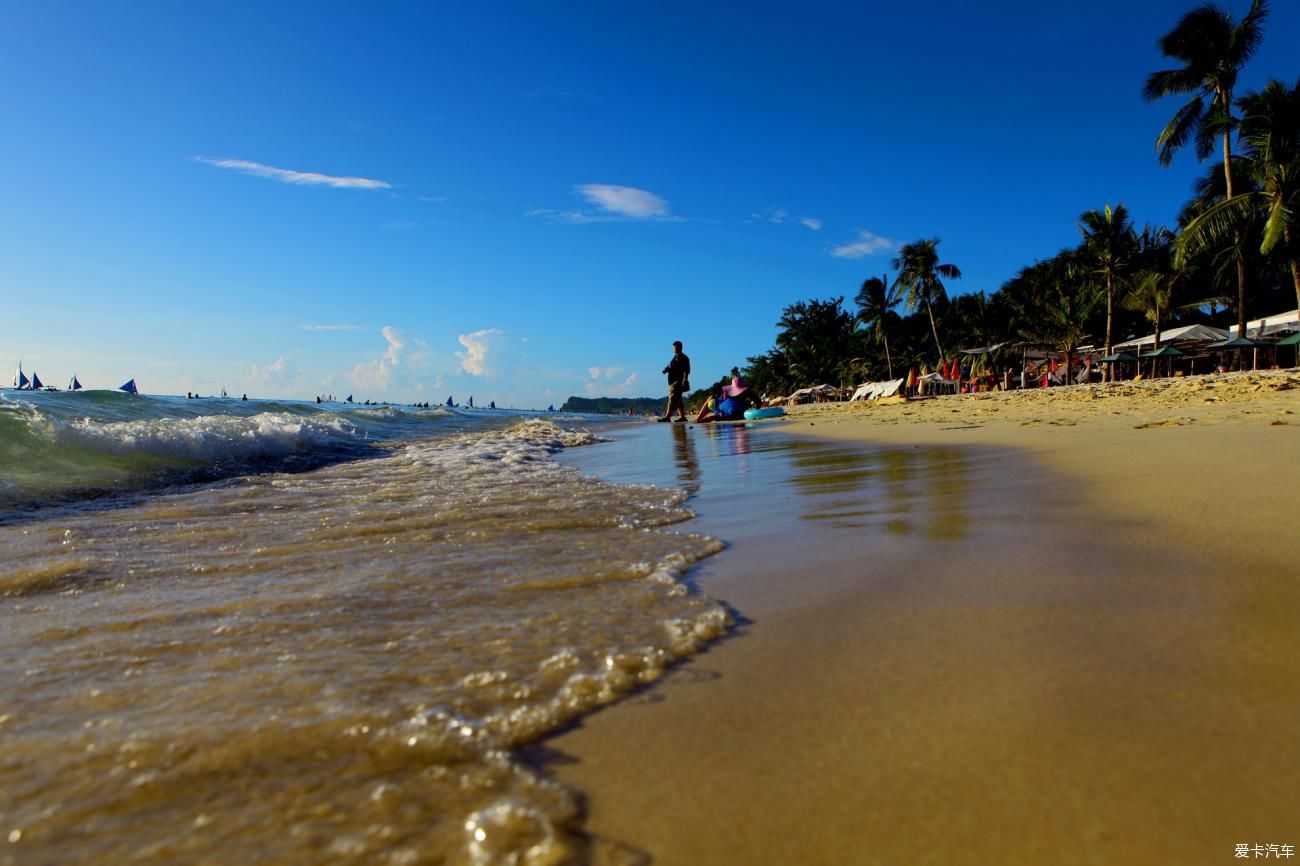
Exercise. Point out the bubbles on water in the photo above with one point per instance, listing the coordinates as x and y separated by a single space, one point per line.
511 833
336 664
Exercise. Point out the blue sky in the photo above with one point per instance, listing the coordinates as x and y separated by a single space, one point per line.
523 201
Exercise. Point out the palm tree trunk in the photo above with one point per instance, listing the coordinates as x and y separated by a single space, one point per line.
1295 263
1241 252
934 330
1110 315
889 362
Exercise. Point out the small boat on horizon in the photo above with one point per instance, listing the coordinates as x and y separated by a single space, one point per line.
129 387
74 385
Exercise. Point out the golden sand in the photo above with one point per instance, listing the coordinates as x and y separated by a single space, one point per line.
1116 684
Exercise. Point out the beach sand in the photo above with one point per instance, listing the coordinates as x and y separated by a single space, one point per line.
1106 672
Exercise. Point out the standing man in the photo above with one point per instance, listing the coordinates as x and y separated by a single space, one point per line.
679 381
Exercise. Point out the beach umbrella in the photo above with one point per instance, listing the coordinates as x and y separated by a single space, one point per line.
1237 344
1163 352
1293 340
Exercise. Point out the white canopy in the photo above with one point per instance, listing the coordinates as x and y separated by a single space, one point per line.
817 389
876 390
1185 334
1270 324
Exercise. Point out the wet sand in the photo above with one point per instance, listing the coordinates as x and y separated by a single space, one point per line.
1080 646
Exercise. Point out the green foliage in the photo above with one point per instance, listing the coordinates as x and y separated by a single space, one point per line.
919 278
615 405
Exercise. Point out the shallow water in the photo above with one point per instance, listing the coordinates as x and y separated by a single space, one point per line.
338 664
331 666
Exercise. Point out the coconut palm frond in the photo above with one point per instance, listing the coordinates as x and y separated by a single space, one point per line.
1215 226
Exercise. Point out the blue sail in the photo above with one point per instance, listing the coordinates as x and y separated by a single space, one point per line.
449 403
20 382
37 384
470 402
74 385
129 387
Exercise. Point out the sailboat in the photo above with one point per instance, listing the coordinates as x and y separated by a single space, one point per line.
37 384
129 387
470 402
349 400
449 403
223 391
20 380
74 385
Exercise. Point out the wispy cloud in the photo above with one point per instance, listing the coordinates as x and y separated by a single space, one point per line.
601 383
625 201
329 327
781 216
279 372
612 203
297 178
479 357
867 244
379 373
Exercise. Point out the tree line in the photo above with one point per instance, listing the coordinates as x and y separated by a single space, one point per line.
1235 248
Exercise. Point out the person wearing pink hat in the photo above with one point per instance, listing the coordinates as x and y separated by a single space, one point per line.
736 398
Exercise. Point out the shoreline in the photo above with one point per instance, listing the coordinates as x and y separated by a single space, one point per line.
1107 677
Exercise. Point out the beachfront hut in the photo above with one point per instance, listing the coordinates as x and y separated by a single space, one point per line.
1269 325
1184 336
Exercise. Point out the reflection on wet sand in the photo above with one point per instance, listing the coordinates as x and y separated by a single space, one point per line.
688 467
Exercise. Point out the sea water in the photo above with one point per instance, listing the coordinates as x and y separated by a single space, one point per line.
282 633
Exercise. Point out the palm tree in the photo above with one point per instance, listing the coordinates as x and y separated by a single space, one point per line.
1213 49
1160 280
919 271
1109 242
876 302
1270 136
1070 299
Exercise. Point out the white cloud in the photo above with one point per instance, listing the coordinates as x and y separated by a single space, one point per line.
378 374
867 244
812 223
576 217
278 372
481 351
625 201
601 387
298 178
329 327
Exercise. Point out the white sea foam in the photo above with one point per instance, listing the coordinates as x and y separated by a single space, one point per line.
207 439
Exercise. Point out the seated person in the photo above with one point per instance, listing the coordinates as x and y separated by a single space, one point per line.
735 399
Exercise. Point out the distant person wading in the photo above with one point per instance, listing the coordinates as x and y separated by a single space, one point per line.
679 381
